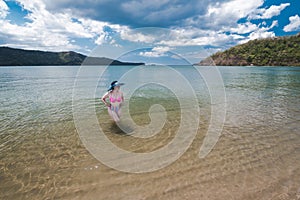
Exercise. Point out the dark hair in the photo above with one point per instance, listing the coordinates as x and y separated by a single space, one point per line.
112 87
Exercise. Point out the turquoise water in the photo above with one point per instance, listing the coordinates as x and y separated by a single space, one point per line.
42 156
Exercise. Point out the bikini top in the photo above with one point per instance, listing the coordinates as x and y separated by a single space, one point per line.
113 100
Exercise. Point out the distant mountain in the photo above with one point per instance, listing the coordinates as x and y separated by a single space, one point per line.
276 51
19 57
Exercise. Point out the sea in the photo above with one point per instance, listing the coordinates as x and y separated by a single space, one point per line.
186 132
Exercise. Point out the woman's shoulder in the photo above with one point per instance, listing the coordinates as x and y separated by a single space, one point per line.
107 93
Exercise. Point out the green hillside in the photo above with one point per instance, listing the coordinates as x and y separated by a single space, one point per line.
277 51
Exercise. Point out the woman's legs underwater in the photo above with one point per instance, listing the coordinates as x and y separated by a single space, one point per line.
115 115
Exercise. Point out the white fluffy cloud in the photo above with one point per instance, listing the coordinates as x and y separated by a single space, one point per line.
294 24
44 30
158 51
261 34
49 31
228 13
176 37
274 23
137 35
3 9
270 12
236 8
244 28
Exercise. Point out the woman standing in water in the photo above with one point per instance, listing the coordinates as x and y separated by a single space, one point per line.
116 98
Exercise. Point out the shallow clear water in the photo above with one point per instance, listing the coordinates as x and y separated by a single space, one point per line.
256 157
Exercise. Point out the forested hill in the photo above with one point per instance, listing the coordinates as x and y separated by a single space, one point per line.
19 57
276 51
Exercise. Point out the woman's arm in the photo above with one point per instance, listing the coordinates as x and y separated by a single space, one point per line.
122 97
104 99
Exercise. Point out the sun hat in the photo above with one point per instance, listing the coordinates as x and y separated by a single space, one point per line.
114 84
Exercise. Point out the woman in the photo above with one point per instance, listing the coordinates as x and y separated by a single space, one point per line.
115 98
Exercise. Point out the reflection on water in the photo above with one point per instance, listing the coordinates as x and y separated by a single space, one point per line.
257 156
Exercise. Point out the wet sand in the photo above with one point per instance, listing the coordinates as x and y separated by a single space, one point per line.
247 163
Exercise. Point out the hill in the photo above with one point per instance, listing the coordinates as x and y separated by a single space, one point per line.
276 51
19 57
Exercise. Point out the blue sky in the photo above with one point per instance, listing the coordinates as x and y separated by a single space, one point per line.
157 31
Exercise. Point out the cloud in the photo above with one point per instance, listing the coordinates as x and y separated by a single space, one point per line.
158 51
133 13
180 36
138 35
44 30
43 20
200 54
244 28
294 24
27 38
261 33
100 31
3 9
274 23
50 31
225 14
161 49
270 12
258 34
197 37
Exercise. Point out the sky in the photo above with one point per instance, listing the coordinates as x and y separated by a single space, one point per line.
157 31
